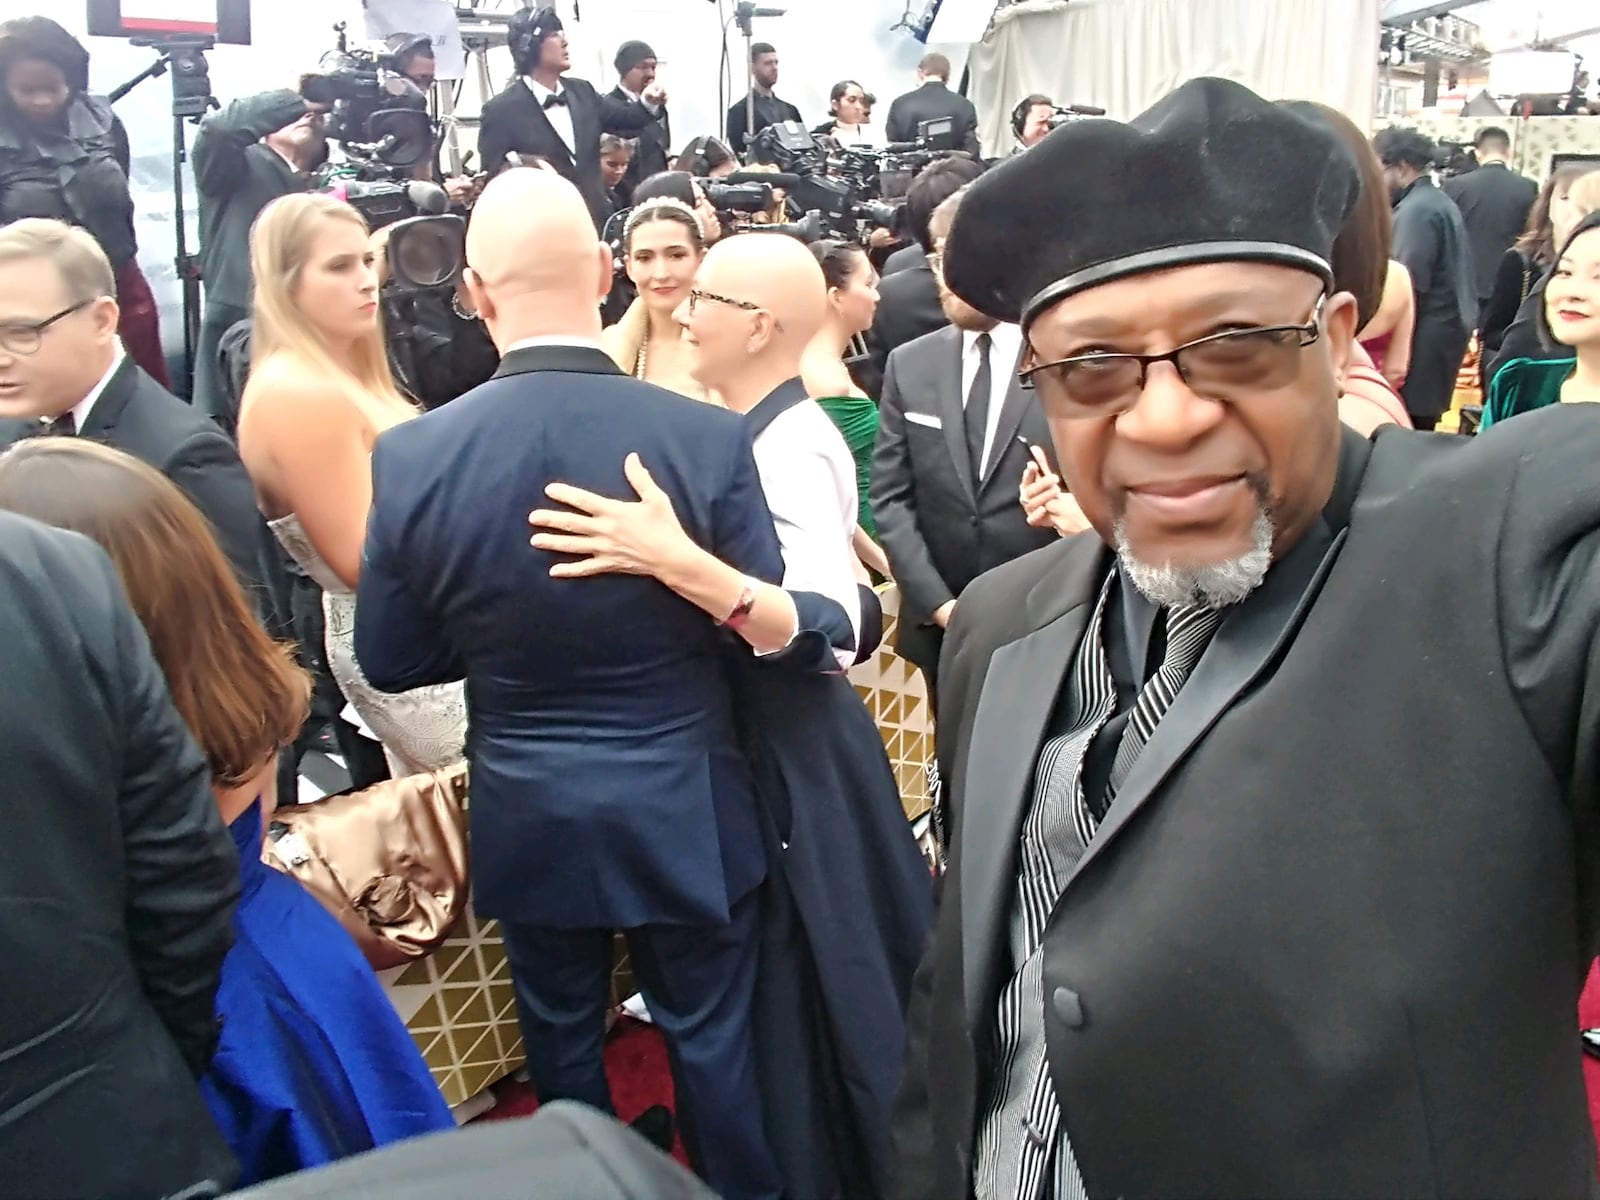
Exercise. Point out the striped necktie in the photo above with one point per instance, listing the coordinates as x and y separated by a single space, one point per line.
1189 630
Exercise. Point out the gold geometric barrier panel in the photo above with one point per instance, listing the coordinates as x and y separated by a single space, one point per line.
897 698
460 1007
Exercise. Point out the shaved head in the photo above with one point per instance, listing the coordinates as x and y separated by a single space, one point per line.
536 265
761 298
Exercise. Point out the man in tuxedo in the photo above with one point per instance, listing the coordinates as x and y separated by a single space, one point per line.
769 110
954 431
908 295
119 882
1494 202
558 118
63 371
608 789
932 100
636 71
1230 843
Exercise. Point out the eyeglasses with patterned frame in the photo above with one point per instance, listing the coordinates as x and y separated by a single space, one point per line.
1102 384
25 337
698 294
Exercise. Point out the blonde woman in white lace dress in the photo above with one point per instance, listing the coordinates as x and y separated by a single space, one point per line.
320 393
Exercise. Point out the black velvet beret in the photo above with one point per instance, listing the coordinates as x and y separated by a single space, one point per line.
1211 173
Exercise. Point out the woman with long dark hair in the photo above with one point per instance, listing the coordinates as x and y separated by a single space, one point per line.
64 154
313 1063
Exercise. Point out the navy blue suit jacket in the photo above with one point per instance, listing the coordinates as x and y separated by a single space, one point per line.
608 788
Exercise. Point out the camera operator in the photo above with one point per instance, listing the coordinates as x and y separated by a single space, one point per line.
546 112
1030 121
245 156
411 57
932 100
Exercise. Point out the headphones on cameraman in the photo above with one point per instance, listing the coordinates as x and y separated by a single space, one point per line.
1019 114
526 32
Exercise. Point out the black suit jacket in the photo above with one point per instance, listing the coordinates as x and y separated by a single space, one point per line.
514 122
138 416
1494 202
908 308
117 887
930 102
652 151
939 531
608 789
1311 909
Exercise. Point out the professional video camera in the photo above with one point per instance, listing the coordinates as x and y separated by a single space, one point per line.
378 117
840 191
1073 112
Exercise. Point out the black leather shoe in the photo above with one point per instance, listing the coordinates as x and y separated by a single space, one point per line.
655 1125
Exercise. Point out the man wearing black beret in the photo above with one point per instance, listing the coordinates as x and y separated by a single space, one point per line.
1242 901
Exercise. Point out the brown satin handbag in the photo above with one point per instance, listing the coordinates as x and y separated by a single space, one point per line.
389 861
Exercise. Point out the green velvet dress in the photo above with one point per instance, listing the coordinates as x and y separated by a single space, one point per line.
1524 384
857 419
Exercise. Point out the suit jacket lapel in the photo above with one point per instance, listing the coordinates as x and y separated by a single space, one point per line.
585 121
1246 644
953 415
108 408
1018 694
1017 400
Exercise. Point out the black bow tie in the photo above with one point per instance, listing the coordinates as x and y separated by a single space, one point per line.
555 98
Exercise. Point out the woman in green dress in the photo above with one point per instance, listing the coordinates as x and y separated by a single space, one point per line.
852 301
1570 317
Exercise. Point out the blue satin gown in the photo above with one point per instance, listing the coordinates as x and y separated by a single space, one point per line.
314 1063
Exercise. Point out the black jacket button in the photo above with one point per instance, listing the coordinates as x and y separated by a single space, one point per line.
1069 1008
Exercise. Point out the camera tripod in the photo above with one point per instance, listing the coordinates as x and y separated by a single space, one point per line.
184 56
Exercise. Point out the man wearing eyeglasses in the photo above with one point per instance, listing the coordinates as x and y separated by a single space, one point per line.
1242 902
63 372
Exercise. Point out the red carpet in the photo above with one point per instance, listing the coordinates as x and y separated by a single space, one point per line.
636 1068
1589 1018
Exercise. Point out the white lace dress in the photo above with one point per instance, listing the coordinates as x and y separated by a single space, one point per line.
421 730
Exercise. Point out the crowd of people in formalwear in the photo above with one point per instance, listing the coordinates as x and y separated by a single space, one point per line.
1229 894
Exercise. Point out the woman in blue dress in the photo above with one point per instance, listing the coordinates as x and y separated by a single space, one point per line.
313 1063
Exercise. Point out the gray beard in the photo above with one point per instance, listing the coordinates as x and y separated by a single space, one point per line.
1215 585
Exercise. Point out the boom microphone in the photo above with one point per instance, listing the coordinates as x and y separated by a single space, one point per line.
771 178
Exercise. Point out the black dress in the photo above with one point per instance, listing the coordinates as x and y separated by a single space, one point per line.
846 907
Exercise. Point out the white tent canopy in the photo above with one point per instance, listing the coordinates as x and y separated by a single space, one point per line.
1123 55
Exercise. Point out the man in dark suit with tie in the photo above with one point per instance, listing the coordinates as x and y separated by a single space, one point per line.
118 882
908 294
1494 202
63 371
1230 848
954 430
932 100
608 790
558 118
636 71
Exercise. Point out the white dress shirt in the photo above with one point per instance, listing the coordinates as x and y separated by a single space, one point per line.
559 116
809 480
82 409
1004 351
